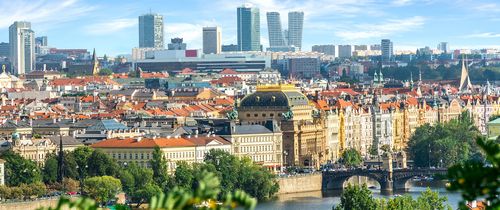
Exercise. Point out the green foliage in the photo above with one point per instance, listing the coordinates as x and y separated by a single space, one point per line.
50 170
236 173
429 200
101 188
105 72
351 157
475 179
138 183
23 191
82 156
19 170
453 140
101 164
203 197
356 197
159 165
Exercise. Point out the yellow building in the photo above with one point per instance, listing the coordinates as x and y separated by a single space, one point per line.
304 141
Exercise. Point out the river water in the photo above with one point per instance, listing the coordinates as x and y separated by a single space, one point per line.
318 200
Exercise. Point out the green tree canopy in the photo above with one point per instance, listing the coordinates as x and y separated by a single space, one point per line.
351 157
454 140
19 170
105 72
356 197
102 188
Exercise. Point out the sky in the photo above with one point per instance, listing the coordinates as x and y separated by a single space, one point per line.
111 26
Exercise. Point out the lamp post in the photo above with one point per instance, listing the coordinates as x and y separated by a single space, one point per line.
285 153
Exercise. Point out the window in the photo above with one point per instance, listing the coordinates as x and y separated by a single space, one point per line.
256 115
264 115
272 114
248 115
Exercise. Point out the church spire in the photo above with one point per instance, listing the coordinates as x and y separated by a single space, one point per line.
465 83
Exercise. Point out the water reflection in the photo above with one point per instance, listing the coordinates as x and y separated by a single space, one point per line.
319 200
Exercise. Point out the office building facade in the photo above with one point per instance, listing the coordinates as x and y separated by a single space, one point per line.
248 28
22 47
212 38
4 50
276 38
387 49
345 51
151 31
295 28
326 49
443 47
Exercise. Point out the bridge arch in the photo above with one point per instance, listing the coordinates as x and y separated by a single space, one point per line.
334 180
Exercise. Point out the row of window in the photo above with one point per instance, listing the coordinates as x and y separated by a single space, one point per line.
131 156
264 115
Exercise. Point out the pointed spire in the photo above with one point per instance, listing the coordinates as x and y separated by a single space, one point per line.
465 83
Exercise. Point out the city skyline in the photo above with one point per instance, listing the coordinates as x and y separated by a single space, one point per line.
112 28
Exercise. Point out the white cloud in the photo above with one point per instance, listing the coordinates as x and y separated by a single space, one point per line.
483 35
401 2
50 11
390 27
190 32
487 7
110 26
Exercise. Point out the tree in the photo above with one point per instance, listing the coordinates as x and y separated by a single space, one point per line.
105 72
138 183
50 170
351 157
102 188
19 170
430 200
476 179
71 185
100 164
453 140
184 175
159 165
356 197
204 195
82 156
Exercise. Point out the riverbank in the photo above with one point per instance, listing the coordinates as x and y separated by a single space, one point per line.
319 200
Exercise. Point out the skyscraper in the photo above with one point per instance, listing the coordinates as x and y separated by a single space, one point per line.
40 42
212 38
151 31
345 51
248 28
387 49
295 26
443 47
22 47
276 38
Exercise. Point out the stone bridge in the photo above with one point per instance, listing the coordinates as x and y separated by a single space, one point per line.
389 180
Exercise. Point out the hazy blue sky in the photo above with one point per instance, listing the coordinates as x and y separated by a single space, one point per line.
111 25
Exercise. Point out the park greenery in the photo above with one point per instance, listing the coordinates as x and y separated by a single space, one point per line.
351 158
479 73
445 144
475 179
360 197
99 177
205 196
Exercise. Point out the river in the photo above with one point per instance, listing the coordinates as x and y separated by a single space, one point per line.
324 201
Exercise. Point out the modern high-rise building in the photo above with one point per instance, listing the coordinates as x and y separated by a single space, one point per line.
177 44
443 47
360 47
276 38
151 31
345 51
212 40
4 50
326 49
387 49
375 47
40 42
295 27
248 28
22 47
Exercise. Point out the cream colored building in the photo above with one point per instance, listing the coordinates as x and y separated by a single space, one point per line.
140 150
263 144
